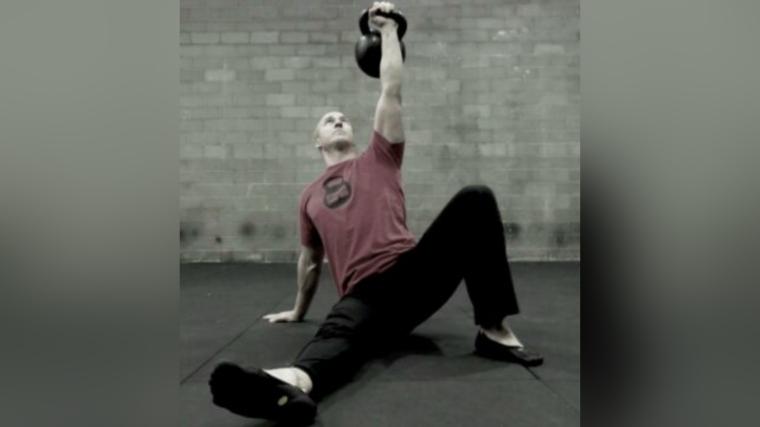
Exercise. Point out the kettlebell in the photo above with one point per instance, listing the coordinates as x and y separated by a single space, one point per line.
368 49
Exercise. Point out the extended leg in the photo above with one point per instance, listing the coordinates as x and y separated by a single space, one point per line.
256 394
351 332
329 359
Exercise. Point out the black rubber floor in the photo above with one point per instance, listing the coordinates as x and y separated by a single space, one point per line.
435 380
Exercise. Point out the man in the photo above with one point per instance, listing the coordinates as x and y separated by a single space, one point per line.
354 213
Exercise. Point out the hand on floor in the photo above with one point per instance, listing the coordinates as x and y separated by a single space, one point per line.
283 317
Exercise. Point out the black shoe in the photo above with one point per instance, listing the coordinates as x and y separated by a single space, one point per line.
256 394
489 348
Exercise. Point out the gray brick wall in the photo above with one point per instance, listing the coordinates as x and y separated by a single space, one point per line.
491 95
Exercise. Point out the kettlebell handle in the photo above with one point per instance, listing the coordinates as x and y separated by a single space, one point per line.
395 15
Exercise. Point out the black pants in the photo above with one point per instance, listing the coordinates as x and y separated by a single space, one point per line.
466 241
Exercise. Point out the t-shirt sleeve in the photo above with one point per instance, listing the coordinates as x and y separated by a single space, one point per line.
309 235
384 152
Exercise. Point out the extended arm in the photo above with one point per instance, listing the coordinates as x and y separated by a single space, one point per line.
388 111
309 268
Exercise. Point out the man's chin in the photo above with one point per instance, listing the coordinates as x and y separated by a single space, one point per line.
339 144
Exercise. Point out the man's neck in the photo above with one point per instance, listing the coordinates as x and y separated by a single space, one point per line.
339 152
335 157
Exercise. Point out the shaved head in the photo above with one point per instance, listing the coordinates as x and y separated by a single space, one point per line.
333 128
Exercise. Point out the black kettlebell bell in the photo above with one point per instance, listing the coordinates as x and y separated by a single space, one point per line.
368 49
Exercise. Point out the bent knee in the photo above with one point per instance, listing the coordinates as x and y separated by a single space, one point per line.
477 190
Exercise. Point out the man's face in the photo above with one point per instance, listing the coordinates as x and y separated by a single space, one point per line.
334 129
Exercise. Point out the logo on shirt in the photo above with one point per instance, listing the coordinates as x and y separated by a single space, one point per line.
337 192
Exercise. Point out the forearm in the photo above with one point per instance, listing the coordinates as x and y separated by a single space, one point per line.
308 278
391 62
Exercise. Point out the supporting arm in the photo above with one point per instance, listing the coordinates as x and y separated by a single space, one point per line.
309 269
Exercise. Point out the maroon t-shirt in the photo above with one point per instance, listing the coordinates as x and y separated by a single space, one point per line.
355 210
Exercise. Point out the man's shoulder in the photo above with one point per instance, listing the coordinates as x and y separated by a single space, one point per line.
307 189
380 138
310 187
384 151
